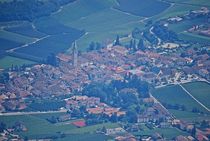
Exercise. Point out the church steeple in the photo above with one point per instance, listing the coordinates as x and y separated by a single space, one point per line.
75 54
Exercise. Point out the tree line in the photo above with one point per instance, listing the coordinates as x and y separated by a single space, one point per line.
29 9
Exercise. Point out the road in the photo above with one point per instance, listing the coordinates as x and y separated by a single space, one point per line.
31 113
156 101
27 44
151 32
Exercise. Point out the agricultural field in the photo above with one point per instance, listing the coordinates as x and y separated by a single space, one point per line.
195 38
191 2
7 44
93 20
174 94
168 133
142 8
189 116
39 127
112 23
102 23
86 137
199 90
174 10
51 44
8 61
186 24
25 29
15 37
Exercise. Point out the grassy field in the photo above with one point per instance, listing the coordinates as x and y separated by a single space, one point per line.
192 2
102 22
8 61
52 44
189 116
142 8
100 19
25 29
86 137
195 38
39 127
15 37
186 24
168 133
7 44
176 95
200 90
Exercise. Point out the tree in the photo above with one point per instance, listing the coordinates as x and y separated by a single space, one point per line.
52 60
103 129
204 124
193 132
91 46
98 45
136 33
113 118
131 44
117 41
2 127
4 77
131 116
141 45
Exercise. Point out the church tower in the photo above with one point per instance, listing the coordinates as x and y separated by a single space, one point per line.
75 54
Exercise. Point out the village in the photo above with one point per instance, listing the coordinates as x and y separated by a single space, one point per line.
67 77
76 71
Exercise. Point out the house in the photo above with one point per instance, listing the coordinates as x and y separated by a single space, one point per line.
113 131
181 138
142 119
164 124
96 110
125 138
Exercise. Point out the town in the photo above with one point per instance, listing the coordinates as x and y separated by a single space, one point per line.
113 83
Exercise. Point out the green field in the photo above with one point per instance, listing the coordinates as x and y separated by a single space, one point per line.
85 137
168 133
15 37
189 116
194 38
102 20
8 61
141 7
200 90
192 2
102 23
176 95
39 127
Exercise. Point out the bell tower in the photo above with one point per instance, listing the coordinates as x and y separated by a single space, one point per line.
75 54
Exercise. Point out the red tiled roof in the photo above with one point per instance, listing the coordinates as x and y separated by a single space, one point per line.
80 123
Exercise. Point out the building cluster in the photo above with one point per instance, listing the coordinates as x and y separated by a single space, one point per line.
105 65
92 106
